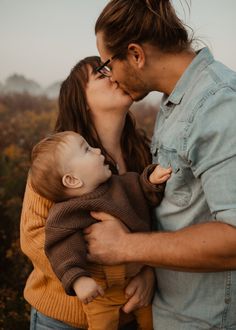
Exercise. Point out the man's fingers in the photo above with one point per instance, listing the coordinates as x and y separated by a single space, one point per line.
130 290
87 230
89 257
101 216
131 305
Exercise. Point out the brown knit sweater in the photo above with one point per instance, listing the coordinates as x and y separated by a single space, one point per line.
126 197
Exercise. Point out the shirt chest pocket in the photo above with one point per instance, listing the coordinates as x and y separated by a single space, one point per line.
177 190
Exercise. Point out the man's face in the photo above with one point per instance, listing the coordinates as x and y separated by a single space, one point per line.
123 72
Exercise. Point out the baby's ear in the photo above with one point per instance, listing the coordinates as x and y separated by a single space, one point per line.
71 181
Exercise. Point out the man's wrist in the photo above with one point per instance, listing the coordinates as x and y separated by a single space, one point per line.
129 242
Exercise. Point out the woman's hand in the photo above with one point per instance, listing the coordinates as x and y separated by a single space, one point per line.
140 290
106 240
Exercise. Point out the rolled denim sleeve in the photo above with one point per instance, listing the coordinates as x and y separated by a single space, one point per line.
219 185
212 153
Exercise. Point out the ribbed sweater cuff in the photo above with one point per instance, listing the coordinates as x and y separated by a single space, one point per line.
145 177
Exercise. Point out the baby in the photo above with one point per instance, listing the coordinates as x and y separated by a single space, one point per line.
66 170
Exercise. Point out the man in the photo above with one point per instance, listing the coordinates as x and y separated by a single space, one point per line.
194 250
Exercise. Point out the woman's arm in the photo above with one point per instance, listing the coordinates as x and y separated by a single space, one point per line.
32 228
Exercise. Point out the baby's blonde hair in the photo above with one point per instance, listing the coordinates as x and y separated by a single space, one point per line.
46 178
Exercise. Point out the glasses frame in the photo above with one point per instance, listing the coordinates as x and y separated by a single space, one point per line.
104 68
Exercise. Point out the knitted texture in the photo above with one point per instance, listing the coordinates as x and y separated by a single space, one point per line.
43 290
127 197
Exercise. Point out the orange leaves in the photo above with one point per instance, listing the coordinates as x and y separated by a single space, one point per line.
13 151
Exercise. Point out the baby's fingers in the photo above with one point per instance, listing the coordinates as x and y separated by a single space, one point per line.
86 300
163 179
160 175
90 298
162 171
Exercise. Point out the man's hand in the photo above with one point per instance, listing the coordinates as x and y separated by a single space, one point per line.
140 290
87 289
106 240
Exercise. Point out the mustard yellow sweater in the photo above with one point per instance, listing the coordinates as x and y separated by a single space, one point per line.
43 290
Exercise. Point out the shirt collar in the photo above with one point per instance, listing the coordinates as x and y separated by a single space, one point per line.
199 63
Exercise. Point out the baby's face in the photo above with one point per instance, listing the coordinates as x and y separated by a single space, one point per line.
79 159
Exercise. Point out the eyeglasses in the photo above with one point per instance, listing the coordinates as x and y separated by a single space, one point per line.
104 69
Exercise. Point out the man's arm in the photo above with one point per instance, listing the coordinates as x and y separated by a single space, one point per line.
199 248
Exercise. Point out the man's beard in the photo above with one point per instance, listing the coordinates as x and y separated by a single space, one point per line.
140 97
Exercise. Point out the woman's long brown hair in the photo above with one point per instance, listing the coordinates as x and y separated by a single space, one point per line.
74 116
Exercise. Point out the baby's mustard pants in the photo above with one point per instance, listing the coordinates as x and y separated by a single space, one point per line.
103 312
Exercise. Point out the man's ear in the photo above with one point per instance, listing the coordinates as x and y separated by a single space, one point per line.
71 181
136 55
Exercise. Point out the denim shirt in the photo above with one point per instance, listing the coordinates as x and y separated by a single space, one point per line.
195 134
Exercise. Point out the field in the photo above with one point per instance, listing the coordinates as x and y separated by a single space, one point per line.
24 120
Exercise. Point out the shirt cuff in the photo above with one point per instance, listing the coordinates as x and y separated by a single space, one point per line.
226 216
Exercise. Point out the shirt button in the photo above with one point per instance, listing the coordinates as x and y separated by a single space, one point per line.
227 300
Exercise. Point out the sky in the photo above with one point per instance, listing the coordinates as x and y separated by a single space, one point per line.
44 39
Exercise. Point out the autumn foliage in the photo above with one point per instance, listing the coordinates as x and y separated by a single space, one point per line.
24 120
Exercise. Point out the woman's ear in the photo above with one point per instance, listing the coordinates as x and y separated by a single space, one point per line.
71 181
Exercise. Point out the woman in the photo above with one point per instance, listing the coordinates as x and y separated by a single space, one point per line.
99 110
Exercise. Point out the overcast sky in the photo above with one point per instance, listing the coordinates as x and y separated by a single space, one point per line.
43 39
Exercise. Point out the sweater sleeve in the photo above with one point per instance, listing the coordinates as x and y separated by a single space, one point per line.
65 245
32 229
153 193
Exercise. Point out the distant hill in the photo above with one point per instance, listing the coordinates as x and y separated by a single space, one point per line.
20 84
17 83
52 91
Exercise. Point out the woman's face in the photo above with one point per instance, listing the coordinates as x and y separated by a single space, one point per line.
104 95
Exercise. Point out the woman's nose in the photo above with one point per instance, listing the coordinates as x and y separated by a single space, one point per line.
98 151
114 83
112 80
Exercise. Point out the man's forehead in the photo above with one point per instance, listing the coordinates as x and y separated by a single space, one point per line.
104 54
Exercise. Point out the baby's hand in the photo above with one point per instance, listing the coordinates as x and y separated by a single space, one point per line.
87 289
160 175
